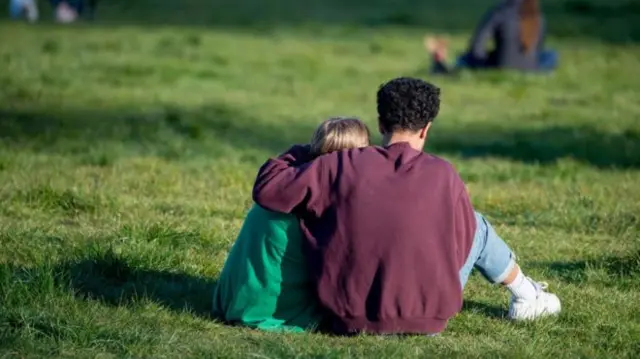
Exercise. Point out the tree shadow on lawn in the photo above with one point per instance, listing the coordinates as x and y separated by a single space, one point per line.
169 132
174 134
610 21
547 145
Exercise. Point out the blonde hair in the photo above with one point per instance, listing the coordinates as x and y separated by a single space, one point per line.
339 133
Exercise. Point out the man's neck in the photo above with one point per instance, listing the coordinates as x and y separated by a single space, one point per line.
414 141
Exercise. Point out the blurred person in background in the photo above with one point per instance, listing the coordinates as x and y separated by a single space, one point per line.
65 11
518 30
24 9
68 11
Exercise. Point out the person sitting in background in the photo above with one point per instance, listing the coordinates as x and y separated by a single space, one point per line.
518 31
265 282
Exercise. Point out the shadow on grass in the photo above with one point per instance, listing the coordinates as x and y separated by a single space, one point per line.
620 271
484 309
603 150
174 134
168 132
113 281
610 21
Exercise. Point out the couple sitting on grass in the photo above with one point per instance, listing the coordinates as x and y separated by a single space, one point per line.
353 238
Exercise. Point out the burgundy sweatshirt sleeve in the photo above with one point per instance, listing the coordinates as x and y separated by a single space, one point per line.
465 227
289 181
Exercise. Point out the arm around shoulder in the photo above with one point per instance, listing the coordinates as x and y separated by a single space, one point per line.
290 181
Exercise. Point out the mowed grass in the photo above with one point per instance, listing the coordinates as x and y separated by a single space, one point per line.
129 147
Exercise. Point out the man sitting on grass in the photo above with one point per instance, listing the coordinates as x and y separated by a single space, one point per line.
390 231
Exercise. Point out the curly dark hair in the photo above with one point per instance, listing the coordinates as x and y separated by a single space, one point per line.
407 104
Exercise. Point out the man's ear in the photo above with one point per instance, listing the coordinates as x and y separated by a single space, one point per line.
424 130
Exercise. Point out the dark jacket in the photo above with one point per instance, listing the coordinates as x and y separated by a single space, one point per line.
502 23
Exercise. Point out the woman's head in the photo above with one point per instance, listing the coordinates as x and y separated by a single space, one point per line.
530 22
338 134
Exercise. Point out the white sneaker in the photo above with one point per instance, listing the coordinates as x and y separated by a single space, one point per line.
545 304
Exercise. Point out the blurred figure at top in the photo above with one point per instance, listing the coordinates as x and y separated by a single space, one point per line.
68 11
24 9
65 11
518 31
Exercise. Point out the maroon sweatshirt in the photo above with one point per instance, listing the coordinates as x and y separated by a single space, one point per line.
388 230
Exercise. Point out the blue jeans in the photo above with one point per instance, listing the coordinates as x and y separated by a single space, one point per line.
489 254
547 60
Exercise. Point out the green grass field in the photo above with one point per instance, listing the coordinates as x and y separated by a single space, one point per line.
128 148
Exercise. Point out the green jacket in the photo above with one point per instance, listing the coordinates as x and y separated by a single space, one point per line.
265 282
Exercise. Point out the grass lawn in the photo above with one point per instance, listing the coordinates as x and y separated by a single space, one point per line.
128 148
